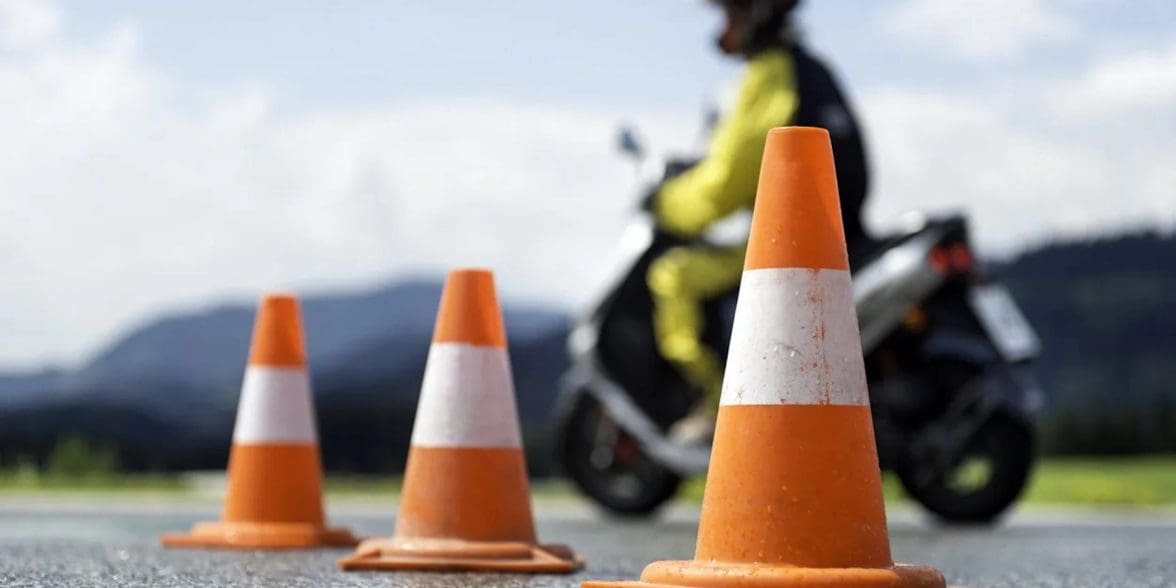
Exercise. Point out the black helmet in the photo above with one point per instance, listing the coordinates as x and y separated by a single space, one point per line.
752 25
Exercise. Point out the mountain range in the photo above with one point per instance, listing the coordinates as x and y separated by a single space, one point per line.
164 394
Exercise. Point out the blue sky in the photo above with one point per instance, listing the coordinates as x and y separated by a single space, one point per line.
164 155
366 53
604 52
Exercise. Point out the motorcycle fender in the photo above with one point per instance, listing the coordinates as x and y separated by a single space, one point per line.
1014 390
1002 389
963 346
582 379
1002 386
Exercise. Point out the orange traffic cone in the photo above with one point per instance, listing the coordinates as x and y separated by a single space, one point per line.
465 504
793 496
274 498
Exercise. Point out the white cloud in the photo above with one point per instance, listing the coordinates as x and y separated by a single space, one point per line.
1144 79
979 30
28 23
940 153
120 197
1021 163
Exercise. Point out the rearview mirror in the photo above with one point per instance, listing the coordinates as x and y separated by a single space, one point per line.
629 143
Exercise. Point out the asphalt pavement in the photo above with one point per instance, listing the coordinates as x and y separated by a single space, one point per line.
100 542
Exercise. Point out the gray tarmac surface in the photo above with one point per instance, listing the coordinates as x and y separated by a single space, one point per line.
94 543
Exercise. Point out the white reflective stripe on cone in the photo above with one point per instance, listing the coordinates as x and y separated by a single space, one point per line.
275 407
795 340
467 399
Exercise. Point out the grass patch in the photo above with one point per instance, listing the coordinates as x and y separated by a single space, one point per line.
76 464
20 480
366 486
1125 481
358 485
1104 481
1120 481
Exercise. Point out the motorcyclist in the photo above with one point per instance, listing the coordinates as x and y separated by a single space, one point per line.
781 85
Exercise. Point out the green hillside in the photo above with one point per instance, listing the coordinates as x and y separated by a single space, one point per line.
1106 312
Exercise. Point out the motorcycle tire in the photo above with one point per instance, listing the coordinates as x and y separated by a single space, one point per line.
635 486
1008 446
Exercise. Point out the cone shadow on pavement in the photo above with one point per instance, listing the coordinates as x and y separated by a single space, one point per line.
465 503
793 494
274 495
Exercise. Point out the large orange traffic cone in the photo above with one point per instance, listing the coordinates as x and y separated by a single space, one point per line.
274 498
465 504
793 496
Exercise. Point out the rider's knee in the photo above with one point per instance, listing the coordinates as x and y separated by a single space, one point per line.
666 275
680 347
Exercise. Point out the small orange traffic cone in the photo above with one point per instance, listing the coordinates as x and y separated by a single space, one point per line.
793 496
274 498
465 504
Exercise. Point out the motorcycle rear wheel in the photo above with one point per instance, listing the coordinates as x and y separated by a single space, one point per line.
608 465
988 479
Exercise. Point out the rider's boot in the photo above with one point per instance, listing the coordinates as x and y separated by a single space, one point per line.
701 368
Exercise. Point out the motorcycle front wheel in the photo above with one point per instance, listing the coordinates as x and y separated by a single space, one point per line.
608 465
987 479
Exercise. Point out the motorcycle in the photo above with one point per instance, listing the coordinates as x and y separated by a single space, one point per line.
947 353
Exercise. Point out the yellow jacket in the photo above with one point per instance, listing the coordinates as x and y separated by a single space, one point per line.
725 180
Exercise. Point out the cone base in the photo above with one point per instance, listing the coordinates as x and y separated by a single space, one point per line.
458 555
222 535
693 574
